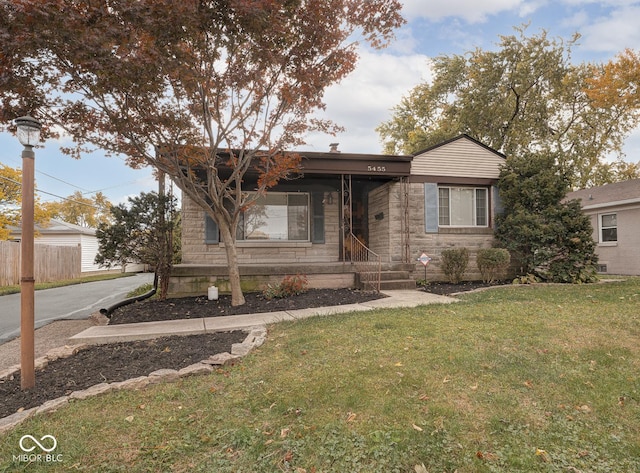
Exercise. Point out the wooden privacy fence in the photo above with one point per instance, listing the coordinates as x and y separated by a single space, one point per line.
51 263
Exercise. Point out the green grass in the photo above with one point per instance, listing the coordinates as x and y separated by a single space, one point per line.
514 379
140 290
5 290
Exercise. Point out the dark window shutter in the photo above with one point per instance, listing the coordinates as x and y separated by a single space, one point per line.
497 201
317 217
211 233
431 208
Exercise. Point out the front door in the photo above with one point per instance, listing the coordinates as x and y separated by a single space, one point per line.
355 215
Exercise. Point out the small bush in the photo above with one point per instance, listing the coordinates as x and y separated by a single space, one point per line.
526 279
492 262
422 282
454 263
290 286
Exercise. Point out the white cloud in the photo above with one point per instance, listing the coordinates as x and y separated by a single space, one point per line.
472 11
364 99
631 147
613 33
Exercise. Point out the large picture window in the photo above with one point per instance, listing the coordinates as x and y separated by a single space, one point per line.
608 228
463 207
276 217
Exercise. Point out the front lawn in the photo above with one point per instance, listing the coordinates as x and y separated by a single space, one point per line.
6 290
513 379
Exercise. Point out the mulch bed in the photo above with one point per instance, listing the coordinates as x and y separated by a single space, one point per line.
121 361
112 363
199 307
446 289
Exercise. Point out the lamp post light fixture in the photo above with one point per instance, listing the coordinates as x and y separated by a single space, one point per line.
29 136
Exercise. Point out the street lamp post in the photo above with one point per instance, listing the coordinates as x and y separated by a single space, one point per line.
29 136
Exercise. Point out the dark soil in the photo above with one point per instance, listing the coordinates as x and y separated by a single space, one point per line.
198 307
121 361
111 363
446 289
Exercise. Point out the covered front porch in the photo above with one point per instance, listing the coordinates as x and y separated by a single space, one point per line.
331 224
194 279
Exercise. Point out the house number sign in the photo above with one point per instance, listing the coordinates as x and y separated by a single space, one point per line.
424 259
377 168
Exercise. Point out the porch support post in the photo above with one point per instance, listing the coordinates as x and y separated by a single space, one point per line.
346 210
404 219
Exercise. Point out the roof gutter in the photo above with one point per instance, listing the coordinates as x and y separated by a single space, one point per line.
612 204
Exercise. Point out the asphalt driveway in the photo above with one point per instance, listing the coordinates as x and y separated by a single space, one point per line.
64 303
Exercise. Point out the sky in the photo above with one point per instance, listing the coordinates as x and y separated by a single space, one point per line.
365 99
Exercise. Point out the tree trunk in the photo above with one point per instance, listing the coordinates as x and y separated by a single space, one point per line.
237 298
165 242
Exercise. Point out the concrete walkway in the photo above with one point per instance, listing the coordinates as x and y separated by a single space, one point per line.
148 330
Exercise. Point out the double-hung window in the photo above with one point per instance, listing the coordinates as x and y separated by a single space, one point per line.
463 206
608 228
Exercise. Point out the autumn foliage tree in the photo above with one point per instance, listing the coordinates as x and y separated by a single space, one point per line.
81 210
11 200
526 96
204 90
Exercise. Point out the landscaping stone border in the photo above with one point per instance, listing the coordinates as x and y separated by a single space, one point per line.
255 338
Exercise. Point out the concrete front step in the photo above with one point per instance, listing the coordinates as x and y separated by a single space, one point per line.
397 284
389 280
388 275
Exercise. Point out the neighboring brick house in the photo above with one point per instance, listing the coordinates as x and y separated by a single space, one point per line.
398 206
614 210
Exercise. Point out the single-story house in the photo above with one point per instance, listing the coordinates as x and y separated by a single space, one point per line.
614 210
348 216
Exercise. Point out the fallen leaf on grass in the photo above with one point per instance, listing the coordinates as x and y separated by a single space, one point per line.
420 468
528 383
416 427
129 418
542 455
584 408
351 416
487 456
288 456
284 433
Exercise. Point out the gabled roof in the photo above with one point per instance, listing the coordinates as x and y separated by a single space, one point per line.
459 137
460 158
55 227
617 193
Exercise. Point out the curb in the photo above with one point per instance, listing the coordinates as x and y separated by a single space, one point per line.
255 338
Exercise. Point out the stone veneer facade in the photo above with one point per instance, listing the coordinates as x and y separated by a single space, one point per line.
397 233
387 239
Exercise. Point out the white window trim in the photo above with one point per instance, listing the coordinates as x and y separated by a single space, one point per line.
475 217
601 241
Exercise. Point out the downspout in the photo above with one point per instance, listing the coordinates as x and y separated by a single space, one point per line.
108 311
